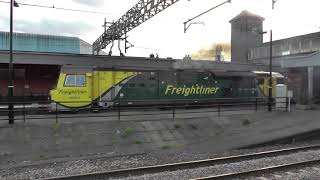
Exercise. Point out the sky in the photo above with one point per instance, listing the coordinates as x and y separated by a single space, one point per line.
163 34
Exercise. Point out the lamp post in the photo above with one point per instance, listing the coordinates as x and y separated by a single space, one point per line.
270 67
270 75
273 2
270 71
13 3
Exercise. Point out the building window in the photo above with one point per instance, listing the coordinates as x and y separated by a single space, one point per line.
265 52
260 81
285 53
250 54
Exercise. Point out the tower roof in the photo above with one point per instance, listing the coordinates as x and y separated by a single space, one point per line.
247 15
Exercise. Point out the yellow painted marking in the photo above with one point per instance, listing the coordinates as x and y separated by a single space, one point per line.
303 171
290 173
97 83
262 178
277 176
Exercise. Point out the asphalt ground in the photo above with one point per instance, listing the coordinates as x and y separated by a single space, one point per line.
40 138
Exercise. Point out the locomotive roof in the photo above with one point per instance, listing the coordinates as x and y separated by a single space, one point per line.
266 74
235 73
76 69
81 69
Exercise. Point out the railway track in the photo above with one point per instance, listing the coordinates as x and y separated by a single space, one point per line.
266 170
122 173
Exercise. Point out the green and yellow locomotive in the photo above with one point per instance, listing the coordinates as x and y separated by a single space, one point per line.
85 87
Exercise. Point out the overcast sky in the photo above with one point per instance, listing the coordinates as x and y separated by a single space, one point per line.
163 33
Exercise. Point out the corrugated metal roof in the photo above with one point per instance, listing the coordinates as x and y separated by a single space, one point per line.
40 43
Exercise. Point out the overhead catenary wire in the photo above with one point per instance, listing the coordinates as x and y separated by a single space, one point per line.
58 8
146 48
186 26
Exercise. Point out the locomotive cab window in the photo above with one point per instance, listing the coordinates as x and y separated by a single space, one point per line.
80 80
260 81
75 81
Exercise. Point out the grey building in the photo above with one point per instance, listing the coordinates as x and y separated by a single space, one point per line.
45 43
299 56
246 32
287 47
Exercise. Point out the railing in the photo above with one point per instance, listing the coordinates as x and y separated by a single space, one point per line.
116 110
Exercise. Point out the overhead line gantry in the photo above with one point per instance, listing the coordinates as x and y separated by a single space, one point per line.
138 14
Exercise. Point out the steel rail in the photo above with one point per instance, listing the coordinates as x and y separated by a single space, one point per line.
183 165
268 170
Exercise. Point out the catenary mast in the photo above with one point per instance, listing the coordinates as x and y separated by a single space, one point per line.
138 14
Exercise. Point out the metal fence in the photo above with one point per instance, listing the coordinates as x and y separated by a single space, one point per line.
33 110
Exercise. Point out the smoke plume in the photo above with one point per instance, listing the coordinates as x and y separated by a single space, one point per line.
210 53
